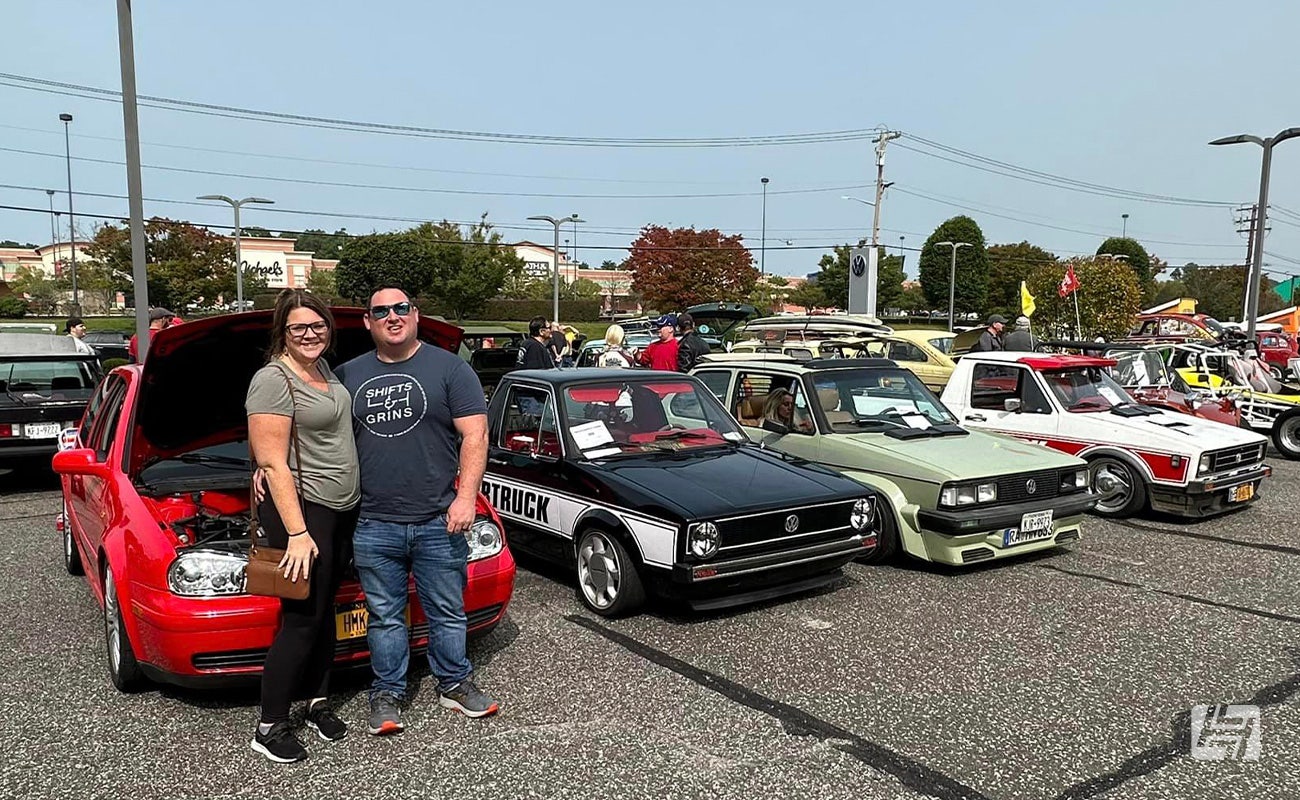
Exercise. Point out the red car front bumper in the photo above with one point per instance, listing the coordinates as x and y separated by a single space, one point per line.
209 642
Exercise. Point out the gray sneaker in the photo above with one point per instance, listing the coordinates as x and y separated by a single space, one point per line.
385 715
466 698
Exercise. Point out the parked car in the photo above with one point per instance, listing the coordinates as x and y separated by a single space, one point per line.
925 353
1137 455
491 353
155 490
44 387
589 356
109 344
1144 373
953 496
638 481
1266 404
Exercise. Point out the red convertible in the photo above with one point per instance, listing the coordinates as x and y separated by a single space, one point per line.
155 488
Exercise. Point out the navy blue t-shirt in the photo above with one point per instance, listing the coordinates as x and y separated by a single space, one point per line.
407 444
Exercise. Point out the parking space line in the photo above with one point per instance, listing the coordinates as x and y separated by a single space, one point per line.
1273 548
1176 595
912 774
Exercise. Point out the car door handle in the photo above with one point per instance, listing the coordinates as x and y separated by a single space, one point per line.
495 460
975 418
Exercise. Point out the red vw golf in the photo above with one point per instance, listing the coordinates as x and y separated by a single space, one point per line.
155 489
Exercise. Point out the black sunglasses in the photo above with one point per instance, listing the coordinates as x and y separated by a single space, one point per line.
401 309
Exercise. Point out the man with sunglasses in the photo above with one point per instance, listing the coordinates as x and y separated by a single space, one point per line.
420 421
537 351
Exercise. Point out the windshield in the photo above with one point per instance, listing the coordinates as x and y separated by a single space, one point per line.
52 379
1086 389
619 417
1214 325
1136 368
854 400
943 345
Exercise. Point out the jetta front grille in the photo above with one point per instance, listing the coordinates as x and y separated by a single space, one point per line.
1029 486
1236 457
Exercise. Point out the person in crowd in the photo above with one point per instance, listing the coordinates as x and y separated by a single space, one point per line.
1020 338
991 339
297 406
569 358
75 327
779 413
159 318
614 355
536 352
691 347
662 353
556 342
420 477
174 322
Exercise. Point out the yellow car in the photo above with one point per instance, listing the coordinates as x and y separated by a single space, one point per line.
926 353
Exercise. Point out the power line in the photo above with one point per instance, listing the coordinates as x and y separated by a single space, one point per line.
305 120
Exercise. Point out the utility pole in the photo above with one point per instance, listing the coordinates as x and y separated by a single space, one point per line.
1248 220
883 139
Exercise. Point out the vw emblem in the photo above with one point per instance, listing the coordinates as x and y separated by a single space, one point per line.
791 523
859 266
1031 486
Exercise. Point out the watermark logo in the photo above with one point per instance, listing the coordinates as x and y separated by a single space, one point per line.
1225 733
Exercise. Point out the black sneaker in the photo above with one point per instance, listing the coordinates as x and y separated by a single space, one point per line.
326 723
279 744
385 715
466 698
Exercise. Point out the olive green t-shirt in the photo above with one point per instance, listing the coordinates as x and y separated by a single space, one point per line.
329 452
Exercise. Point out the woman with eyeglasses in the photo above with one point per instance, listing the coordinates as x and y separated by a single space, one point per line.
300 434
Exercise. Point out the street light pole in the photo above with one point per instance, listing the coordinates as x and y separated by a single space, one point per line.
54 234
134 186
762 253
1257 255
555 259
1125 234
952 276
239 258
72 222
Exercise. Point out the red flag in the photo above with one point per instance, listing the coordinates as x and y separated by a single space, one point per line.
1069 283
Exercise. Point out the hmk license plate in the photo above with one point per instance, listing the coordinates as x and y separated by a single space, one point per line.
1240 494
350 620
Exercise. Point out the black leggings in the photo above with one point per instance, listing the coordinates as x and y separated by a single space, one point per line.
298 663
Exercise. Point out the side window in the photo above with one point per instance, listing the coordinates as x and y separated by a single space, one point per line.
1032 399
105 429
751 398
994 384
906 351
716 382
528 423
92 411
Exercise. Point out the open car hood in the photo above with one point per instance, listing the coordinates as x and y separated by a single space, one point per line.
716 320
196 376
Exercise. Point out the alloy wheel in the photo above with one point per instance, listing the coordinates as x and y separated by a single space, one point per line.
599 572
1113 481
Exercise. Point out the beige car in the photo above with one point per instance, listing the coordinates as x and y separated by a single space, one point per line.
923 352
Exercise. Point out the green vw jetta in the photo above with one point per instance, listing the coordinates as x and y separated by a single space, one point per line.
958 495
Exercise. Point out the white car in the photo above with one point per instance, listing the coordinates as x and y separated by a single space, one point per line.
1137 455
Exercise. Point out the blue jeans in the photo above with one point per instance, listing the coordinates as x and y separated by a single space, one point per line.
385 553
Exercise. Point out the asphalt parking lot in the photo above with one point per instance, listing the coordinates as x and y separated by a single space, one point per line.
1071 675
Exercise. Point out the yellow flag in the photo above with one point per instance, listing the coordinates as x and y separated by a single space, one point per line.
1026 301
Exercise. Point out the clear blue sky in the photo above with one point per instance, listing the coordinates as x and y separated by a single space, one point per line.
1117 93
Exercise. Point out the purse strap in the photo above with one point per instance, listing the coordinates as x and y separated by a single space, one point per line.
253 522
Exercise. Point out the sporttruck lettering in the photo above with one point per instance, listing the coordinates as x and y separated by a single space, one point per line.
519 502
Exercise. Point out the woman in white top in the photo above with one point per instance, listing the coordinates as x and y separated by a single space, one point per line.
614 355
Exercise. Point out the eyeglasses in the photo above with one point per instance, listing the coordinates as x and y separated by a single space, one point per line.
400 309
299 330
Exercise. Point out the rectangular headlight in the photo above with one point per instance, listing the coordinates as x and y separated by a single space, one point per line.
207 573
986 492
967 496
948 497
1204 465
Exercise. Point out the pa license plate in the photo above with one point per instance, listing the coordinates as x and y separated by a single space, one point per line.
42 430
1033 526
1240 494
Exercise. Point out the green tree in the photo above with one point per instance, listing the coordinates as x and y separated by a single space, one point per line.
913 299
321 282
971 293
319 243
583 288
44 293
255 231
1108 296
13 307
12 243
1220 291
1009 264
807 295
1136 257
186 264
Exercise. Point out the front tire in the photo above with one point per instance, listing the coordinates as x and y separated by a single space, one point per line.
1286 434
71 557
608 581
123 669
1121 487
887 540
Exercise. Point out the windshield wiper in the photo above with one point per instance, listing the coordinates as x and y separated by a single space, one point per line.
211 458
682 434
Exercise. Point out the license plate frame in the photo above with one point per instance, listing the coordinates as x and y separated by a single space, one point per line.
1034 526
42 430
1242 493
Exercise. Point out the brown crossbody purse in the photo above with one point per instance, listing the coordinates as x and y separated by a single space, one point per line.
264 576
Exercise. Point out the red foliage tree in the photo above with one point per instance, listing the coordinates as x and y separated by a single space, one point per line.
673 269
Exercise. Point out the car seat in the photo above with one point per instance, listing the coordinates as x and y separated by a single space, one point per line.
750 410
830 402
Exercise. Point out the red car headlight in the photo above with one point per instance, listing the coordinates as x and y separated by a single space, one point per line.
207 573
485 539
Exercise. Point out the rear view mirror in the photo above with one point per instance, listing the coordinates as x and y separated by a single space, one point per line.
1012 404
79 461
